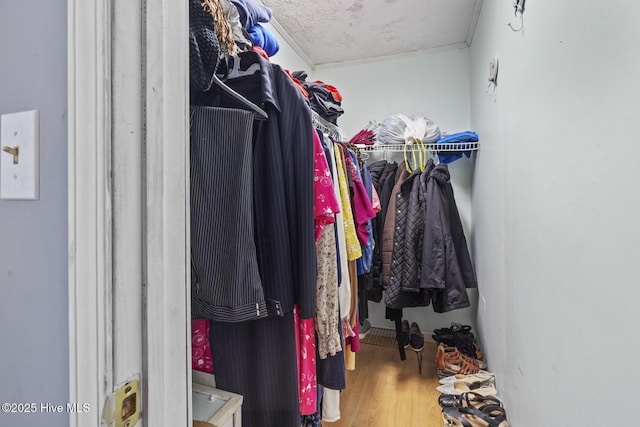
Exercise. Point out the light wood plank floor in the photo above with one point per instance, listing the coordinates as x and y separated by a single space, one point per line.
385 391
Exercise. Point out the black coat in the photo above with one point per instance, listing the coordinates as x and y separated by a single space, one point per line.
383 180
447 269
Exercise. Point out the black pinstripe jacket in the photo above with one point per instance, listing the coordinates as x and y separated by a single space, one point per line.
283 186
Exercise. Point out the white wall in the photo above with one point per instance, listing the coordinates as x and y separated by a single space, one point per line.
436 86
286 57
34 354
555 203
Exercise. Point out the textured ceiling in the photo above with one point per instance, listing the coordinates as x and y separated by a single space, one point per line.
331 31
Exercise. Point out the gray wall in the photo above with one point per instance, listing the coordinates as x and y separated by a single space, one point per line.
34 339
555 209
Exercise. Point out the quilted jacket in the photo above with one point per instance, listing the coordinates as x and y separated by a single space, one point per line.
390 226
403 289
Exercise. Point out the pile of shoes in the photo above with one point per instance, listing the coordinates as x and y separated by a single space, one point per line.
458 351
460 337
468 392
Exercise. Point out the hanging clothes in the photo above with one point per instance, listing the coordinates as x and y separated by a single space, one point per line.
446 264
345 249
327 301
325 204
226 283
383 178
364 265
354 251
326 208
362 210
306 351
200 347
331 369
390 227
407 247
258 359
283 184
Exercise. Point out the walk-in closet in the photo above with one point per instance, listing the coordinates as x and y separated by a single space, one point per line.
313 242
396 108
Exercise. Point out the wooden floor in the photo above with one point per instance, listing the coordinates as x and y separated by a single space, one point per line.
385 391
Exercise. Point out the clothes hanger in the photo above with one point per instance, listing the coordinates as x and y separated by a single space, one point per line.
259 113
418 155
433 155
236 70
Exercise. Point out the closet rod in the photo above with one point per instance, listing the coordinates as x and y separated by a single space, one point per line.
326 127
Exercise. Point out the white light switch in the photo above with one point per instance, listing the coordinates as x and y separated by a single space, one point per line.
20 156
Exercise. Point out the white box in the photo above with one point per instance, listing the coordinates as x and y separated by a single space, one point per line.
217 407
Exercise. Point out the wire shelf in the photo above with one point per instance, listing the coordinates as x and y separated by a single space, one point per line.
434 148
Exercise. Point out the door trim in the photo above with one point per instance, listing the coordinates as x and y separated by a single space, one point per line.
90 228
165 283
166 293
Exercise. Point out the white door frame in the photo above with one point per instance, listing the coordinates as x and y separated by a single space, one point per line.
164 226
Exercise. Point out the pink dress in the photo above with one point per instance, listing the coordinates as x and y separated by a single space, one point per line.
306 348
325 203
362 210
375 202
200 349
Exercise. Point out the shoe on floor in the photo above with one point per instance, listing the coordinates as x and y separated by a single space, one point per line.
403 337
416 339
365 327
481 377
459 388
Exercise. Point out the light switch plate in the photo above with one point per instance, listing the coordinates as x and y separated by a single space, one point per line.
21 180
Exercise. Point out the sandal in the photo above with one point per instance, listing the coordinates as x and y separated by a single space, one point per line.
455 328
455 352
483 377
451 362
485 416
459 388
467 399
